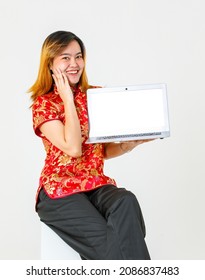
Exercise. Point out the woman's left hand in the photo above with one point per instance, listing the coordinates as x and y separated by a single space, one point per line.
117 149
130 145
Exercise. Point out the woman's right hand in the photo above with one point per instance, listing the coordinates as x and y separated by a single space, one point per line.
62 85
67 136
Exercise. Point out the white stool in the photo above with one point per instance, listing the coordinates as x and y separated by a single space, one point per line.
54 248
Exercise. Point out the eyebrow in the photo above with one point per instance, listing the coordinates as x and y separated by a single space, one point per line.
70 54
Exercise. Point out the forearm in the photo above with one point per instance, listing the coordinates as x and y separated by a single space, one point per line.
116 149
72 129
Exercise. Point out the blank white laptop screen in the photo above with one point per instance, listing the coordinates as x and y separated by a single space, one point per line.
127 113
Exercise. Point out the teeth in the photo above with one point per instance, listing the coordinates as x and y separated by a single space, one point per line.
72 72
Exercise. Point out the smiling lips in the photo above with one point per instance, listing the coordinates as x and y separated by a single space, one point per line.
72 72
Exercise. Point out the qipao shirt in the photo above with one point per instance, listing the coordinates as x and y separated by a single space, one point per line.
62 174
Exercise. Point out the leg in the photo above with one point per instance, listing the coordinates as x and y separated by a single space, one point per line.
103 224
125 224
76 221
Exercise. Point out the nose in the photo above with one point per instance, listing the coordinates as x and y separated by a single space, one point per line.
73 62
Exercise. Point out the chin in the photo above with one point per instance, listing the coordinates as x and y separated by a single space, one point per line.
73 84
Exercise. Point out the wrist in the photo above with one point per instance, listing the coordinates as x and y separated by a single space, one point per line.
68 100
125 147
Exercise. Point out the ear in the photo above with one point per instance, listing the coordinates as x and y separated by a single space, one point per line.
50 66
51 69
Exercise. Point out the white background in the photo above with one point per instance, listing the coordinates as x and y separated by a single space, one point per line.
128 42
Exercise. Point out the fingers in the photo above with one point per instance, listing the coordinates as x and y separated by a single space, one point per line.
60 79
148 140
132 144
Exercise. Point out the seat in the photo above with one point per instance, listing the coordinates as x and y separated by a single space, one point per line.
54 248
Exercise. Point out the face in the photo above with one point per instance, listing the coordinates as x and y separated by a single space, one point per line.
70 61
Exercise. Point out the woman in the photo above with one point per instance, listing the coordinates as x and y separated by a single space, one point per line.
75 198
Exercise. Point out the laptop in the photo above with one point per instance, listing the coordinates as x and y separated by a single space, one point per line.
127 113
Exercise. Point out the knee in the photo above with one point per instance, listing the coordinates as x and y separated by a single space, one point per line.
125 202
128 197
130 209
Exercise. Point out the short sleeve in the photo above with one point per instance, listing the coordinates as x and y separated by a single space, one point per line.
43 110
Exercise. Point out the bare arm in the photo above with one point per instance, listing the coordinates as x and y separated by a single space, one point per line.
117 149
65 137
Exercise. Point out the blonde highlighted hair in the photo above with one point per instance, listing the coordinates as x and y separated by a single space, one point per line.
52 46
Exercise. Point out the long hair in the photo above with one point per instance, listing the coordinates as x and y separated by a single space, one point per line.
52 46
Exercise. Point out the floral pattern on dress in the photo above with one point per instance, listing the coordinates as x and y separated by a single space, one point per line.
62 174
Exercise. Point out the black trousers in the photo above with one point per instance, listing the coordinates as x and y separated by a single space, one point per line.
103 224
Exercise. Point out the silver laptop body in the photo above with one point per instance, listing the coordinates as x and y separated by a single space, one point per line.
128 113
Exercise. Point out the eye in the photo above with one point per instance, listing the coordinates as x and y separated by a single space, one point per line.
66 58
79 56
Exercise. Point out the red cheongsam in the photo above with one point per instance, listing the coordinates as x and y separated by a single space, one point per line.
62 174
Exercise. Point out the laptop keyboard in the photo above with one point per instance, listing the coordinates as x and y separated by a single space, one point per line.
129 135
